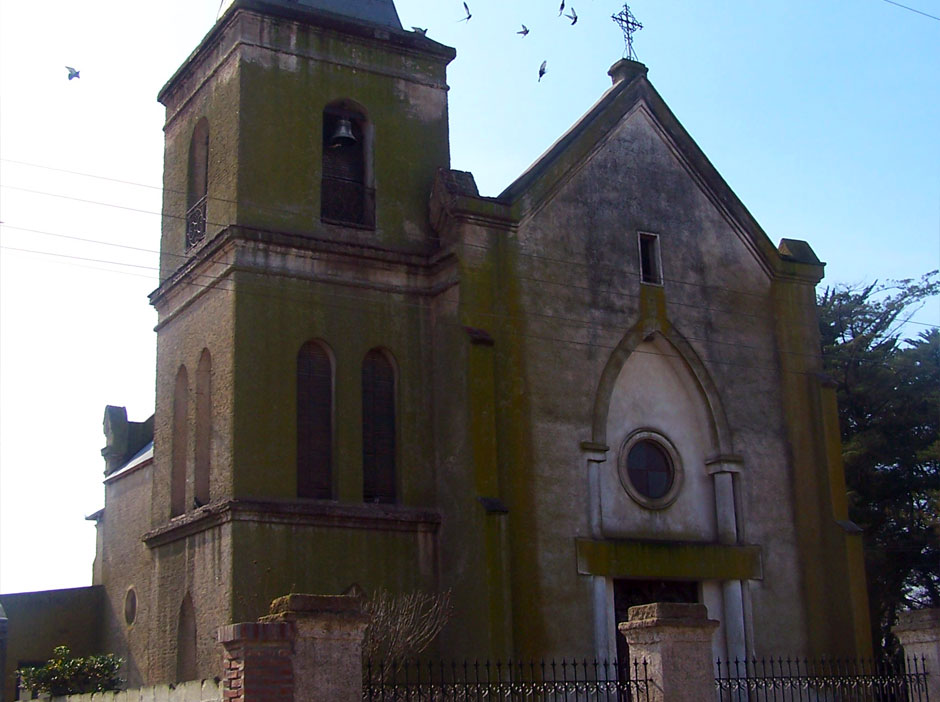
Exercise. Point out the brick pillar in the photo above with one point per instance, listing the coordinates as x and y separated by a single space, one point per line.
257 664
327 645
676 642
919 633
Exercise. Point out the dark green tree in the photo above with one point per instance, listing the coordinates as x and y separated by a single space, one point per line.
64 674
888 388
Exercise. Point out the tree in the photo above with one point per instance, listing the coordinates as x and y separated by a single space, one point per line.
888 389
64 675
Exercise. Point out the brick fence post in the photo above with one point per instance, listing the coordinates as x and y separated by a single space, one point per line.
919 633
257 663
328 633
675 640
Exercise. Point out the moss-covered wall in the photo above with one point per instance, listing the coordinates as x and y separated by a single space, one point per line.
215 97
275 316
282 558
285 87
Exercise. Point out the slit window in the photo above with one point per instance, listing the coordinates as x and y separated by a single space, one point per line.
197 187
650 262
314 422
378 428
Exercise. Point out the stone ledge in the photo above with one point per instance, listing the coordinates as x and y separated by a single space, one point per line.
295 513
668 614
255 631
632 558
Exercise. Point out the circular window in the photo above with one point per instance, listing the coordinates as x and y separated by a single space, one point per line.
649 469
130 606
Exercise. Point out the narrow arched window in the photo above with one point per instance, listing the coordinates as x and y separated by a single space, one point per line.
186 668
198 184
378 428
346 192
180 443
314 422
203 429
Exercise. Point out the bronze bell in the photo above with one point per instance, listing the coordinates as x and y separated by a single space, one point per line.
343 135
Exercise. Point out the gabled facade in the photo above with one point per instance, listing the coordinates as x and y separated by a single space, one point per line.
598 389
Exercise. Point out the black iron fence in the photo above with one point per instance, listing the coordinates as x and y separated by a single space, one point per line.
804 680
512 681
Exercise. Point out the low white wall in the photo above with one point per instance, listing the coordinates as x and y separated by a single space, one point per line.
192 691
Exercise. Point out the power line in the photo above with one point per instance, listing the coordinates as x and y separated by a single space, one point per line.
565 262
276 210
280 297
912 9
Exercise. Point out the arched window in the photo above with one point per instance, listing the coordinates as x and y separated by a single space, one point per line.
378 428
203 429
180 443
198 184
314 422
346 192
186 642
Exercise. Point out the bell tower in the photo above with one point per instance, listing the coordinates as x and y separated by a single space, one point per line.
302 141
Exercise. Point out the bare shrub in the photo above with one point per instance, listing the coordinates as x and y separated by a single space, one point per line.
402 626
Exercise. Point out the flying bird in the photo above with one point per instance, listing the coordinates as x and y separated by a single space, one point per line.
420 30
73 73
467 10
562 8
573 16
542 70
524 31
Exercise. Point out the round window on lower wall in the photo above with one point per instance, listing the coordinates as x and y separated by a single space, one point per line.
130 606
650 469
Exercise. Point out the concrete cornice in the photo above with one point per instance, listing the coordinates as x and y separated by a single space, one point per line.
295 513
229 31
237 248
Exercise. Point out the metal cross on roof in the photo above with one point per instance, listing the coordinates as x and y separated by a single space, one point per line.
628 25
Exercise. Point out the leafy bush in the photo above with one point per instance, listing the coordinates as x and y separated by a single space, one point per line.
64 675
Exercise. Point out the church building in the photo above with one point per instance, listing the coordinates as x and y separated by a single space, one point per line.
601 387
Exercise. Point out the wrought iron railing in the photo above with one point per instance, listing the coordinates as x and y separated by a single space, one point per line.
345 201
830 680
196 223
512 681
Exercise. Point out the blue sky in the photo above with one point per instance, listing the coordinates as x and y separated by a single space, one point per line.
822 115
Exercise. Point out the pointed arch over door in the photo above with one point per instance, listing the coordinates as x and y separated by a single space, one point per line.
645 330
378 428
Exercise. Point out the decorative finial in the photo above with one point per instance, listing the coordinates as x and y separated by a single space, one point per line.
628 25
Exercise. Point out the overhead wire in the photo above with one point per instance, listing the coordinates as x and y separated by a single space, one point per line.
563 320
913 9
560 261
207 281
278 210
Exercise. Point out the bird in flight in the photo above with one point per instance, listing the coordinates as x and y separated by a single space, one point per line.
73 73
562 8
573 16
523 31
420 30
467 10
542 70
